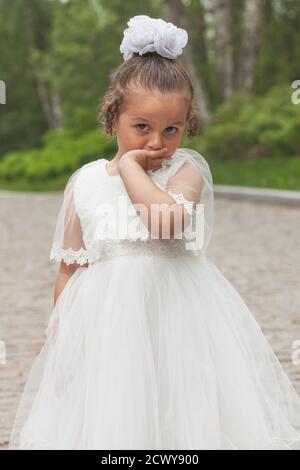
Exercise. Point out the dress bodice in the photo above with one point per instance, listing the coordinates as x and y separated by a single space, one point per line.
109 222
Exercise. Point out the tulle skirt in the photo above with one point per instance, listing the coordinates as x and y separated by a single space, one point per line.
158 353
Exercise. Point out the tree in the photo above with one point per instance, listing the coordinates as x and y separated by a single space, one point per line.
34 14
223 46
173 11
252 23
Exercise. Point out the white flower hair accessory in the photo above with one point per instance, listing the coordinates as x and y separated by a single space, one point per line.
146 34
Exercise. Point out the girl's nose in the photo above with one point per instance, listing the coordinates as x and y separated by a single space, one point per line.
155 147
156 143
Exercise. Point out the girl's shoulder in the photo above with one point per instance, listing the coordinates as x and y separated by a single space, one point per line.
87 173
83 181
190 155
197 161
90 167
84 170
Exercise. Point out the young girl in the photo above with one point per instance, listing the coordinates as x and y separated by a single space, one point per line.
148 345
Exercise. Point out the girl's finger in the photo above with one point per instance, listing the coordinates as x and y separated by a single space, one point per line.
158 161
157 153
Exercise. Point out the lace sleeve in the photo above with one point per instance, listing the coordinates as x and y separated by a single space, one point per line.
68 244
185 186
190 184
180 199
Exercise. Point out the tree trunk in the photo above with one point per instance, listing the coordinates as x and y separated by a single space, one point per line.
57 118
195 16
252 22
173 11
100 12
223 46
49 104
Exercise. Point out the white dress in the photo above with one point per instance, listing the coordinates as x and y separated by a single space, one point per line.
150 346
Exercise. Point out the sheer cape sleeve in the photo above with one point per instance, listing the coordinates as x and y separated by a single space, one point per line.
190 183
68 243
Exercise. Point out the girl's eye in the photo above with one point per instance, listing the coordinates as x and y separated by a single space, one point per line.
172 128
140 125
167 128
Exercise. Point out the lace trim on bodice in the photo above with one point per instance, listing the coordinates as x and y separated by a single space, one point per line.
150 248
109 249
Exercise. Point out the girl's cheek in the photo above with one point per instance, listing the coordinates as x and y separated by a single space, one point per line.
137 141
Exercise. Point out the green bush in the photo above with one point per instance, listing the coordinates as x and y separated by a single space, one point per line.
258 135
63 152
250 127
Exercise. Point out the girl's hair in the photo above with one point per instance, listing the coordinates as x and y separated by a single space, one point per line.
151 71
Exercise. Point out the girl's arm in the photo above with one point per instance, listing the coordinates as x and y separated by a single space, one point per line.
142 190
65 272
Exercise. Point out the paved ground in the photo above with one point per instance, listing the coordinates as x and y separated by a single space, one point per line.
255 246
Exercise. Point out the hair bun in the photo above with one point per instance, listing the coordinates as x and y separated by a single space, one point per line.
146 34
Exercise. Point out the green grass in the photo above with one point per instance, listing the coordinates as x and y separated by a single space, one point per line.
277 173
37 186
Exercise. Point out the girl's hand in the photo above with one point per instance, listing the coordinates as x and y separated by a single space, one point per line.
148 159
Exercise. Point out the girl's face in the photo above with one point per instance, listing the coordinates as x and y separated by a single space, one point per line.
152 120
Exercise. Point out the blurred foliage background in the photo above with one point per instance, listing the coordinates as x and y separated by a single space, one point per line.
56 57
